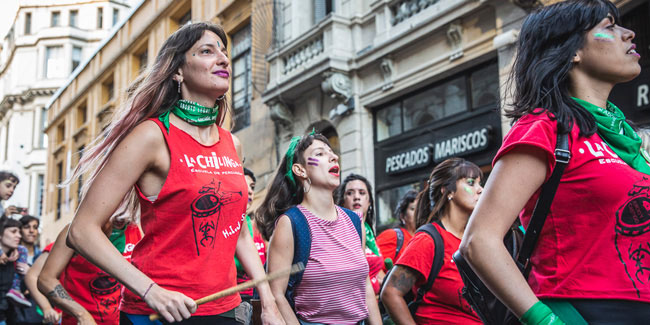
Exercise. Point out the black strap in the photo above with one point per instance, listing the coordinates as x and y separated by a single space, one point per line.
438 259
543 205
400 242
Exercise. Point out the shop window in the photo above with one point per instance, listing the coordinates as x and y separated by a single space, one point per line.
76 57
73 18
387 202
242 89
55 19
100 18
389 122
436 103
28 23
485 86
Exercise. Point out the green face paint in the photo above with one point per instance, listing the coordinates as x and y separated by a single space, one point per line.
468 189
603 36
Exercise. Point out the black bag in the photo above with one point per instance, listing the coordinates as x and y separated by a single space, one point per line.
488 308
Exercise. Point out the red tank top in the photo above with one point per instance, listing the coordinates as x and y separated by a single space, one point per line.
92 288
191 229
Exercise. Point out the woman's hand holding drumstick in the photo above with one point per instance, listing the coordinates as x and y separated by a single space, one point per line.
298 267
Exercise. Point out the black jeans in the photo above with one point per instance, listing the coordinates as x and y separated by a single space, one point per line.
606 311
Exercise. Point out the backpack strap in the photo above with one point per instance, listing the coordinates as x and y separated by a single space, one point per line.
356 221
438 260
543 205
400 242
301 248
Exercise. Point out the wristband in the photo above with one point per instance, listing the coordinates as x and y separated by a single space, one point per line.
540 314
147 291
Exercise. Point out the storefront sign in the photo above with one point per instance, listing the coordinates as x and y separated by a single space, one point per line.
633 98
410 159
472 141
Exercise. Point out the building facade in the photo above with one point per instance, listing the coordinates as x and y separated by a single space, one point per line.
400 85
47 41
83 106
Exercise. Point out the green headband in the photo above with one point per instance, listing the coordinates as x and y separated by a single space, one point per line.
289 155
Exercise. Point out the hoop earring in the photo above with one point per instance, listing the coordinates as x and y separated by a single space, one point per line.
309 182
179 86
221 97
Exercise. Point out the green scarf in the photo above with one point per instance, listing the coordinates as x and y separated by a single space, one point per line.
371 244
619 135
192 113
118 239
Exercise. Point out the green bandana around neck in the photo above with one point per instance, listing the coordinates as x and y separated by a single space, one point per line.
192 113
118 239
619 135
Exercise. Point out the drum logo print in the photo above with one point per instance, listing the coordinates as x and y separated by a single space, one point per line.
102 290
206 213
632 221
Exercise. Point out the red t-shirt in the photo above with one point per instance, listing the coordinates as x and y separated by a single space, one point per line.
94 289
191 229
387 242
48 248
594 243
261 251
444 303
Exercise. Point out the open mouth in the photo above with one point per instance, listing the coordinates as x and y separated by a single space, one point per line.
633 51
334 170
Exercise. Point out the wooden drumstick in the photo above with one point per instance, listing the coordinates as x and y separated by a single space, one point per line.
298 267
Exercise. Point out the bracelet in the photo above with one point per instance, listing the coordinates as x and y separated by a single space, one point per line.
147 291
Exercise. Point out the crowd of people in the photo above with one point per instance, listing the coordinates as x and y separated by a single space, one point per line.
155 231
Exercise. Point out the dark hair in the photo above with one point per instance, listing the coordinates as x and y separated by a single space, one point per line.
151 94
548 41
4 175
340 196
10 222
432 202
25 220
408 198
282 195
249 173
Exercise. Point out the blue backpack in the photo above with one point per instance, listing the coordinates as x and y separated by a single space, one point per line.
302 245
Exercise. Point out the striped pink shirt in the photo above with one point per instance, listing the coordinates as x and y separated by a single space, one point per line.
333 287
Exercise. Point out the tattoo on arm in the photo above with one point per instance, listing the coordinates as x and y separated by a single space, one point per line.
59 292
403 279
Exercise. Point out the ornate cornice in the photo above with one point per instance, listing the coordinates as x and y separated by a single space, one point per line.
25 97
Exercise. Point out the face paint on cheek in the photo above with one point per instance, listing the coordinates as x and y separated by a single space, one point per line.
468 189
312 161
603 37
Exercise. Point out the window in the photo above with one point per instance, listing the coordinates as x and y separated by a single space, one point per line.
40 184
76 57
474 89
54 62
143 59
59 190
82 114
241 78
56 18
387 201
28 23
116 16
74 14
322 8
100 18
41 138
60 133
80 181
185 19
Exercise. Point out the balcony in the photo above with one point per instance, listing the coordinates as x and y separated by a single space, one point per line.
300 64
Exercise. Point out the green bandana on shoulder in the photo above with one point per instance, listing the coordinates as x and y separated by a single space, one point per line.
118 239
192 113
619 135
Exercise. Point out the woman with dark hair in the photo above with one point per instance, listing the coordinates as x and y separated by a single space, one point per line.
29 233
9 241
454 188
355 193
335 288
167 157
389 241
591 258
